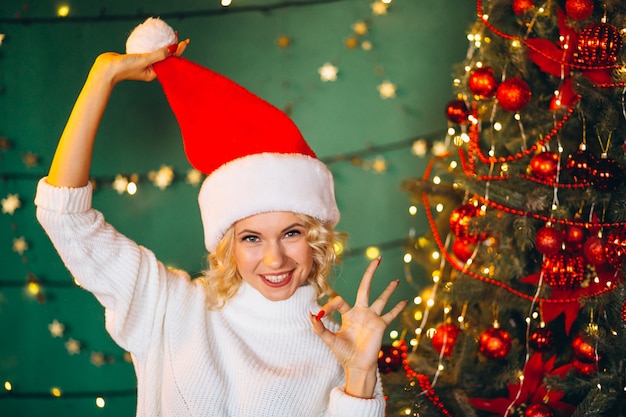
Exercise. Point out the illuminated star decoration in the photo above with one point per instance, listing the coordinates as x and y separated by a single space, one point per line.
328 72
387 90
439 148
120 184
379 7
360 28
283 41
72 346
56 328
420 147
30 159
97 359
20 245
379 165
194 177
11 203
163 177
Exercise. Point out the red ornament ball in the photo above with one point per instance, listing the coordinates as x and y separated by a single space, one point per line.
544 166
541 339
564 271
598 45
579 9
615 247
444 338
583 349
389 358
494 343
460 219
482 82
606 174
580 164
539 410
594 250
457 111
548 240
520 6
513 94
574 237
462 249
584 368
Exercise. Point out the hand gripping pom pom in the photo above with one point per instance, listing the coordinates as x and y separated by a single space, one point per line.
151 35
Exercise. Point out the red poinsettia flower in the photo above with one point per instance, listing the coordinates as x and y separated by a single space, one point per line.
531 390
550 310
557 59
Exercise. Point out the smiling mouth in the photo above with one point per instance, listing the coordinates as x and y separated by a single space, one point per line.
277 280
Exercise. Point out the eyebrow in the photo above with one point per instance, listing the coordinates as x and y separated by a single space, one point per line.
291 226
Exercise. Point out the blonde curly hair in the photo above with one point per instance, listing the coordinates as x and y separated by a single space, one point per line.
222 280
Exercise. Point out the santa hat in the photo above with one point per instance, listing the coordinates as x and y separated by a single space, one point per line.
254 156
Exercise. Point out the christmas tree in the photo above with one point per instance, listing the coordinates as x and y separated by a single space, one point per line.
526 314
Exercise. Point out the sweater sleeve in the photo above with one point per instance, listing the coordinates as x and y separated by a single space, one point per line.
344 405
125 278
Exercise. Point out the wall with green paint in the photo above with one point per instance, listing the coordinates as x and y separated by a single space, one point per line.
43 63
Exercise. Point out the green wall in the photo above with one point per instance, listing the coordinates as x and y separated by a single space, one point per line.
43 63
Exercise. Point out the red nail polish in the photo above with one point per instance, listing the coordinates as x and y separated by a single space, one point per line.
321 314
172 49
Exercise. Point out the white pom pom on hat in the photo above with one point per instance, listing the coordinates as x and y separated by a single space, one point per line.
254 156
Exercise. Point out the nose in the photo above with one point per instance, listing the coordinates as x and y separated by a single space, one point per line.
274 255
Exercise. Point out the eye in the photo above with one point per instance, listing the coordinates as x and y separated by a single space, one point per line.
250 238
293 232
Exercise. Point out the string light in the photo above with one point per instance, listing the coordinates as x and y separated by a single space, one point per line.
63 10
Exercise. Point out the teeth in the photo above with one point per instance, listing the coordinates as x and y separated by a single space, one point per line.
276 278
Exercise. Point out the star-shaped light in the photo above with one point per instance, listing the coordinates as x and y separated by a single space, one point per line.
194 177
2 36
360 28
439 148
20 245
30 159
283 41
163 177
387 90
379 164
72 346
56 328
97 358
328 72
379 7
420 147
11 203
366 45
120 183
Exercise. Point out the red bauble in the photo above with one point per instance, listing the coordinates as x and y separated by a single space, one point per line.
482 82
584 368
460 219
513 94
594 250
564 271
615 247
583 349
494 343
580 164
462 249
539 410
579 9
520 6
457 111
445 337
598 45
541 339
389 358
606 174
574 237
548 240
544 166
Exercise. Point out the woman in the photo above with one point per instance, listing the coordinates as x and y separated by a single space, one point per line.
249 338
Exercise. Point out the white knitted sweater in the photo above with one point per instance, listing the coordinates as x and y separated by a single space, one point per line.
254 357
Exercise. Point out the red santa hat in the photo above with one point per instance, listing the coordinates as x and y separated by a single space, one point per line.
254 156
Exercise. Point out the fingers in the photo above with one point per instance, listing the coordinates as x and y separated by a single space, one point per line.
326 335
336 304
379 304
393 313
363 293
